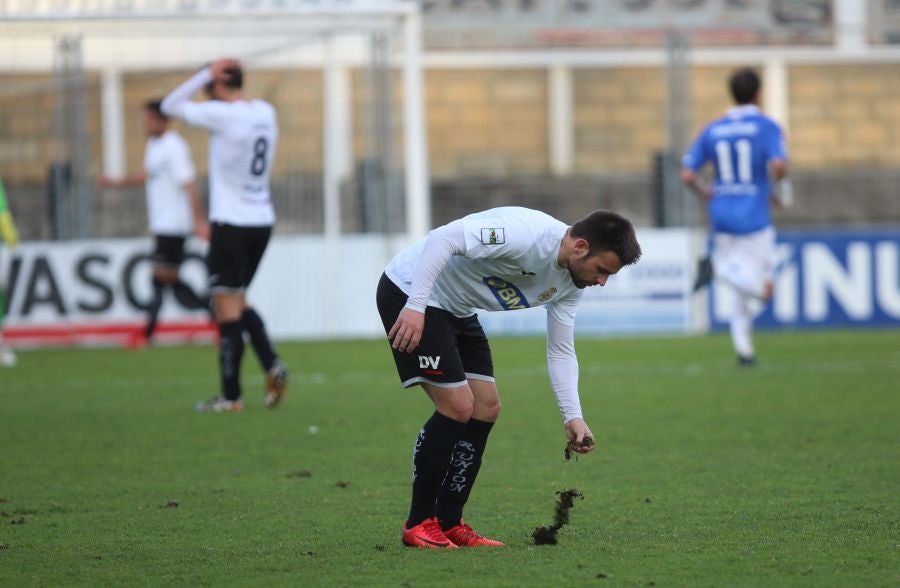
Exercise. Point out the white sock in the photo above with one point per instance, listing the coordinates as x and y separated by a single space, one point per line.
741 324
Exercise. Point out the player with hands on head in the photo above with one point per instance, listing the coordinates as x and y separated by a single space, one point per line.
503 259
243 135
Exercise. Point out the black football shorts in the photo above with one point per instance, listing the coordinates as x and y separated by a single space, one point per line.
452 350
234 255
169 251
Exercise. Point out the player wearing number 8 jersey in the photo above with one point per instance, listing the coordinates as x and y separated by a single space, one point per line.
243 134
745 147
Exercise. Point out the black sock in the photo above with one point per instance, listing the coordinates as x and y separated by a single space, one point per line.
464 468
259 339
153 309
231 348
431 457
188 298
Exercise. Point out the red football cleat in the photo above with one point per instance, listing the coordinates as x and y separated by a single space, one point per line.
426 534
464 536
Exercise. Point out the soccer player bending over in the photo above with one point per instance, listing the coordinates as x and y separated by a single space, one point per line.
501 259
744 146
243 133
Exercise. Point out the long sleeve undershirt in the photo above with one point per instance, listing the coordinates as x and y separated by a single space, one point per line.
562 363
174 104
442 243
562 366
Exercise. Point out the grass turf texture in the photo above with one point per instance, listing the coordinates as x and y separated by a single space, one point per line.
705 474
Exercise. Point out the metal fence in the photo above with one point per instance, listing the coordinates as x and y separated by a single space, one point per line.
54 125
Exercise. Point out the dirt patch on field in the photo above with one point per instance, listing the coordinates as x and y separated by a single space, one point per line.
565 500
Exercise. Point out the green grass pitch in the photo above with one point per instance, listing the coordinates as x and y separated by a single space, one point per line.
787 474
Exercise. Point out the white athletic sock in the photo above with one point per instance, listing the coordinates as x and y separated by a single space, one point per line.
741 324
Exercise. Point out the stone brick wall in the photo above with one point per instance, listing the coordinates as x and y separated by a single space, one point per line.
619 119
486 122
845 116
488 139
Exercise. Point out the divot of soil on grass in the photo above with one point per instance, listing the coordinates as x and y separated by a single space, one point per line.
169 504
300 474
343 484
4 545
19 521
564 503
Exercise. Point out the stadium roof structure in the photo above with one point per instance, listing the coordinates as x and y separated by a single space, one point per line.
127 9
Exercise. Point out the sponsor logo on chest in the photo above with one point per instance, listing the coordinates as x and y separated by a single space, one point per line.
507 294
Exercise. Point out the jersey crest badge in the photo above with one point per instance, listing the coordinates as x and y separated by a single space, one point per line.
547 295
493 236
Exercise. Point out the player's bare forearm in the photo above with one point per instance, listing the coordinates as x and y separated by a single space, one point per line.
697 186
579 436
130 181
407 330
779 169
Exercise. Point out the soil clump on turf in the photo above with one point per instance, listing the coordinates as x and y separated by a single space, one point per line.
564 502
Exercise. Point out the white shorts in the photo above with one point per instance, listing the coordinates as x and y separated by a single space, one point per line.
745 262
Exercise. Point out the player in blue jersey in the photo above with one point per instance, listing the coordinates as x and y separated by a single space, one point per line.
748 153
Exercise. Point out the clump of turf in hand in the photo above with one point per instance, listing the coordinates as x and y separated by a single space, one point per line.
564 503
570 448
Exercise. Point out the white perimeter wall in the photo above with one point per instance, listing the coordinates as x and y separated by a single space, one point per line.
306 289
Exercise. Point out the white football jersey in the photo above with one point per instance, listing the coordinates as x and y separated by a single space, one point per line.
168 166
242 142
510 263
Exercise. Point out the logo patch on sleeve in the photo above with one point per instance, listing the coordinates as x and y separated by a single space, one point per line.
493 236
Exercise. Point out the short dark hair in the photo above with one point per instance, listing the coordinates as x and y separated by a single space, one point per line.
155 106
744 84
608 231
235 78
